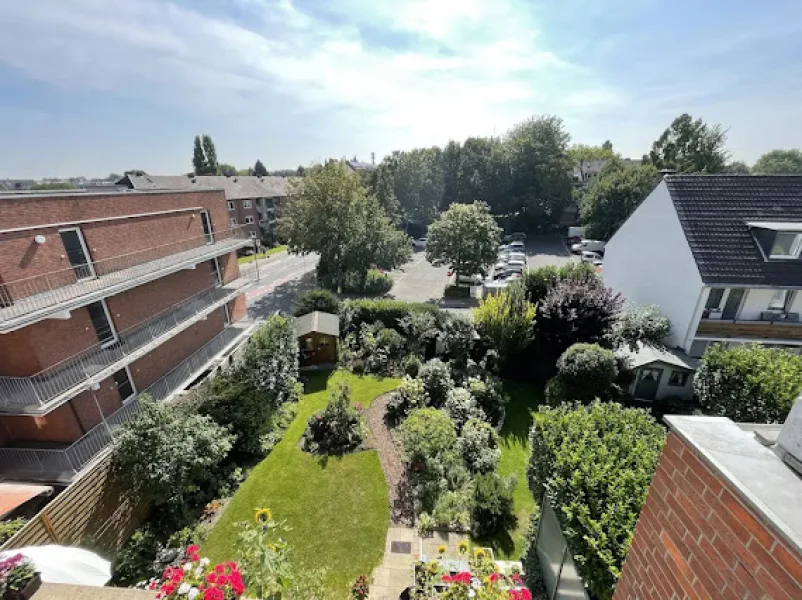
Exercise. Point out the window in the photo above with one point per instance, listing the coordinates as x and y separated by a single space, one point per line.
678 379
104 329
786 245
249 220
698 348
246 204
77 252
782 300
124 385
232 221
714 298
230 205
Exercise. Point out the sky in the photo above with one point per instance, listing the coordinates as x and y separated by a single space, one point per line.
89 87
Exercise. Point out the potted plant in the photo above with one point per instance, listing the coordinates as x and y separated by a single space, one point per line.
19 579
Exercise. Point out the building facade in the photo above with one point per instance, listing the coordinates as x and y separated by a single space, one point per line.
252 202
103 298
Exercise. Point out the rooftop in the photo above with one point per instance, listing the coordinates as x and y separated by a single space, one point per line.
646 355
236 187
319 322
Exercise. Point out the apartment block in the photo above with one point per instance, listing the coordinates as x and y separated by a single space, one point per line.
105 297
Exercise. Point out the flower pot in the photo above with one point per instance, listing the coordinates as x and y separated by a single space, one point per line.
29 590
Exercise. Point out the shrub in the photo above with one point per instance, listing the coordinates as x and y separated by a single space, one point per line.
377 283
426 434
389 312
420 329
479 446
376 349
10 527
437 381
644 324
168 456
584 372
458 337
538 282
411 365
453 511
748 383
490 398
505 320
335 430
492 505
134 560
270 361
595 464
278 423
574 311
409 395
319 299
461 406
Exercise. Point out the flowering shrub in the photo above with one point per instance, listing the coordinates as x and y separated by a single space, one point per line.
196 578
15 573
360 589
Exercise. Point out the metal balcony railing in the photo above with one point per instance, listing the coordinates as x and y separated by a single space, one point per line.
49 384
61 464
58 290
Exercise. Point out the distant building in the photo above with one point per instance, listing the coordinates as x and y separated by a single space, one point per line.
359 166
10 185
252 201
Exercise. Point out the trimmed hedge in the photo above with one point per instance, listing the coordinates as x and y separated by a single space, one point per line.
389 312
595 464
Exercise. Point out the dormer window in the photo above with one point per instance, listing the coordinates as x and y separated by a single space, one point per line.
778 241
786 245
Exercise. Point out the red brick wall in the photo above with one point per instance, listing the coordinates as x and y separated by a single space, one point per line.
21 257
229 267
240 212
237 308
696 539
158 362
86 403
59 425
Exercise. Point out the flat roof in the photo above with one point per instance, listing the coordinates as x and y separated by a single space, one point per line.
14 495
754 471
16 195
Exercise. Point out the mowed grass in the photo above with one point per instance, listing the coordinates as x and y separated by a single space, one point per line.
514 442
252 257
337 508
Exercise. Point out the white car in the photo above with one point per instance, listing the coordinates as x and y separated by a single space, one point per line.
517 246
590 257
508 256
419 243
470 279
590 245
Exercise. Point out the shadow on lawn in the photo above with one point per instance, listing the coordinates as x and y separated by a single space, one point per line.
524 398
315 381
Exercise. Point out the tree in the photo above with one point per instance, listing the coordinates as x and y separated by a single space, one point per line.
312 300
737 167
204 156
330 213
465 238
166 454
227 170
53 185
607 145
538 282
595 464
259 169
113 177
749 383
270 361
580 153
300 171
411 183
613 196
506 320
689 146
779 162
135 173
584 372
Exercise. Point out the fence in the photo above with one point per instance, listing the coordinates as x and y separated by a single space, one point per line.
560 577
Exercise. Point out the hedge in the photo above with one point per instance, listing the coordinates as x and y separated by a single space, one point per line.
389 312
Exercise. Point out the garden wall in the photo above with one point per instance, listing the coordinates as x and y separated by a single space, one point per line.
92 512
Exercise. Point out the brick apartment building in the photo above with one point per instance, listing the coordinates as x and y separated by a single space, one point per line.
723 516
104 297
252 202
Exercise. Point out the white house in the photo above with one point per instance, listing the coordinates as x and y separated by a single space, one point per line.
720 256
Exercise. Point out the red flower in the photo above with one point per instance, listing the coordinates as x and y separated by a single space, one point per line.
494 577
221 580
447 579
192 549
214 594
232 565
238 588
516 579
526 594
220 569
168 588
211 577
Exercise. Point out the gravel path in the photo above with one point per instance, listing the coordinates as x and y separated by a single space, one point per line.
401 508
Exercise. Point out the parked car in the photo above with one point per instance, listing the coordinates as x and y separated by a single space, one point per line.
419 243
591 245
475 279
517 246
508 256
589 257
513 237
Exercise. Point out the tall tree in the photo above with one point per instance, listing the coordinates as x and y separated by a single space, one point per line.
451 174
607 145
259 169
465 237
204 156
737 166
330 213
779 162
198 157
417 184
540 168
689 146
583 153
613 196
211 155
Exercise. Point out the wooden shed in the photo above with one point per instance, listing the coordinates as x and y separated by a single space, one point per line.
318 334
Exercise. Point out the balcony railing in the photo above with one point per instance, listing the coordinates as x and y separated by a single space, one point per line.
41 295
61 464
45 388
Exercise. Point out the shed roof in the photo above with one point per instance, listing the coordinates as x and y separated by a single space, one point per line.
319 322
646 355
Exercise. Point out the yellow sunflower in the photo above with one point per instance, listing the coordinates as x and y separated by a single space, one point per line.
479 554
463 547
433 567
441 549
263 515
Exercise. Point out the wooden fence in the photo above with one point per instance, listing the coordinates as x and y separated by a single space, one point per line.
93 512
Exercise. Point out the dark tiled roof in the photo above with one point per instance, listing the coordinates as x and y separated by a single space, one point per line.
714 211
240 186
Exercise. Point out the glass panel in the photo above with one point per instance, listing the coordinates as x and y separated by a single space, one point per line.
777 301
714 298
124 385
570 586
100 321
785 244
733 303
550 549
206 223
76 253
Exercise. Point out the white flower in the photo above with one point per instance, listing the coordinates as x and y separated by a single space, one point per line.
199 572
204 561
187 566
193 593
184 588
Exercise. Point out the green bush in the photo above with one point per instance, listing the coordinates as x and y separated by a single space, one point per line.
437 382
426 434
461 407
748 383
134 561
335 430
377 283
389 312
453 511
409 395
278 423
490 398
10 527
584 372
538 282
492 505
411 365
375 349
478 446
595 464
506 320
319 299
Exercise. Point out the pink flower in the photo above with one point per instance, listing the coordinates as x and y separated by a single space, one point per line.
516 579
214 594
193 549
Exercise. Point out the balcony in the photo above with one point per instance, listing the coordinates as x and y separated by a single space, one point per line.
60 463
779 329
43 391
29 300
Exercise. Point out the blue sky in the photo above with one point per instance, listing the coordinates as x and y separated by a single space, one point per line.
93 86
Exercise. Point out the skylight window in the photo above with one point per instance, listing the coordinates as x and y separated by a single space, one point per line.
786 245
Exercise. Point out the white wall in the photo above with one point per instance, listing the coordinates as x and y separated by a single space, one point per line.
648 260
756 301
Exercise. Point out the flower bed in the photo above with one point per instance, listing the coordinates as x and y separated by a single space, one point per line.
196 578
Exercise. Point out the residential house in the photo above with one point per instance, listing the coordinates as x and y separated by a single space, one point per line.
104 297
253 202
359 166
719 255
10 185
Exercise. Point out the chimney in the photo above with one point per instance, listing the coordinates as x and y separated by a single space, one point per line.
373 158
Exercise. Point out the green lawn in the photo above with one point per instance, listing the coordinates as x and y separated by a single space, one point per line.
524 399
338 509
252 257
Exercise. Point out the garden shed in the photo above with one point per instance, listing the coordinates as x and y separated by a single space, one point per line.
659 372
318 333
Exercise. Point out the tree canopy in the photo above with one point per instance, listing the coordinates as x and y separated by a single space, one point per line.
779 162
227 170
329 212
465 237
689 146
204 156
259 169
